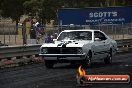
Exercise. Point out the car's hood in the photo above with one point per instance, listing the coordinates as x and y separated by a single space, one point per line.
78 43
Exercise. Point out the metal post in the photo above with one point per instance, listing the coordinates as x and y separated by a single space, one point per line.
9 34
15 34
122 30
4 33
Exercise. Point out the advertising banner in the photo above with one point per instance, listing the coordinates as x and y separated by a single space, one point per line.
95 16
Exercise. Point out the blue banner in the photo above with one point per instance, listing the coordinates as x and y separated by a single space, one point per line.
95 16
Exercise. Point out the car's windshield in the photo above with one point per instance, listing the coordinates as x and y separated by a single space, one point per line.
75 35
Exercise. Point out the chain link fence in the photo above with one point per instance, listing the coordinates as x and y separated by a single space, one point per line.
116 31
10 36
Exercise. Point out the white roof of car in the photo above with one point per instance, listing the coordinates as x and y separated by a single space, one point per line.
81 30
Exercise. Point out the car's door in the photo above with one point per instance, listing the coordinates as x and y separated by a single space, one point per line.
100 47
106 42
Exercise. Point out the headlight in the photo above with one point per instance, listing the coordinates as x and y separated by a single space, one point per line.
44 50
79 51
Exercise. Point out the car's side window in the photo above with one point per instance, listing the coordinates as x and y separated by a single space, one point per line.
99 35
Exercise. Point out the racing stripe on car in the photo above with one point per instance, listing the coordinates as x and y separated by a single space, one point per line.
59 44
64 44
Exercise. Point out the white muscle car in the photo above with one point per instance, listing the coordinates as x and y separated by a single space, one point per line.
83 46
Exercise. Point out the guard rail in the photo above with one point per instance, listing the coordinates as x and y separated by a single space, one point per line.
27 50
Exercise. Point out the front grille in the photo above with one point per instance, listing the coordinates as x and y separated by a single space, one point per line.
60 50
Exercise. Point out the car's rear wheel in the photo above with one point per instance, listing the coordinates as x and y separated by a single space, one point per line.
108 59
49 64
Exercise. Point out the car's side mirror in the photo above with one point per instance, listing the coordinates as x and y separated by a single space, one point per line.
97 39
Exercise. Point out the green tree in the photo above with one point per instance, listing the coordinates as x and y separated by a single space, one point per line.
31 7
12 9
44 9
47 9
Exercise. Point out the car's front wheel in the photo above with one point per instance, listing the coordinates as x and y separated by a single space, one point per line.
49 64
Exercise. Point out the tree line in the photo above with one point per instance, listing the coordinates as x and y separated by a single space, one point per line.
46 10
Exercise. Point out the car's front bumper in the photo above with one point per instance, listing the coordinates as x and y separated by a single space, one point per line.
63 56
